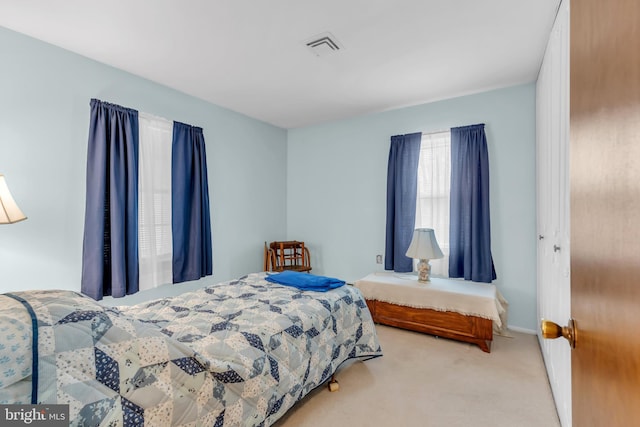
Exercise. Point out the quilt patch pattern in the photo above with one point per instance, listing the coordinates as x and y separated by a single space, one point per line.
236 353
15 350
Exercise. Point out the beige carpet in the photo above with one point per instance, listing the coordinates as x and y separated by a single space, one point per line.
427 381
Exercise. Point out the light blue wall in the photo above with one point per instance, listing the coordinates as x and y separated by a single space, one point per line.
336 187
44 121
335 174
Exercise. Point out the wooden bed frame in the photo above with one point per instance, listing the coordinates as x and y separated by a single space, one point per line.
445 324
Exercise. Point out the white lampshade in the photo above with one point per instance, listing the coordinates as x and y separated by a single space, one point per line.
9 211
424 245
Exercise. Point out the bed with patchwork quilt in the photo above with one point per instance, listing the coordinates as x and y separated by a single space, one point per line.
241 352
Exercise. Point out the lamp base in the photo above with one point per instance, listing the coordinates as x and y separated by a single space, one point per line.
423 270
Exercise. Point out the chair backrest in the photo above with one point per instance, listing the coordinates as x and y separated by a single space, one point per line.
286 255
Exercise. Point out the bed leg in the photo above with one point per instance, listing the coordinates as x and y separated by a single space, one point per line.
333 384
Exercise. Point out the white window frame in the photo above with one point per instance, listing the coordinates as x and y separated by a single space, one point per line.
433 196
155 240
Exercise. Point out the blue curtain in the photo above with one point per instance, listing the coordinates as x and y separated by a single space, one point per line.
470 227
402 189
192 252
110 246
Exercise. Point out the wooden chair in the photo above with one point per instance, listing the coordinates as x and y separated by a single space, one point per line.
286 255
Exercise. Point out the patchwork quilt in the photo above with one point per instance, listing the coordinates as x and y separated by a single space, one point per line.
236 353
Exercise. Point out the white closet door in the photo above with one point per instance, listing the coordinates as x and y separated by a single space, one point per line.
554 285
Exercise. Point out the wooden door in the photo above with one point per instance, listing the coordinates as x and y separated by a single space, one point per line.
605 211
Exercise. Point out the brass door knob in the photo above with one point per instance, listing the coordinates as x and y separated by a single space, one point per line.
551 330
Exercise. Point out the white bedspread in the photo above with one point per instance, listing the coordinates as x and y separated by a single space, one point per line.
461 296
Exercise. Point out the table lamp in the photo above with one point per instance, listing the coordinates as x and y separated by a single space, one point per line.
9 210
424 247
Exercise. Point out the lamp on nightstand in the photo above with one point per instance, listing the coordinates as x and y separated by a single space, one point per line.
9 210
424 247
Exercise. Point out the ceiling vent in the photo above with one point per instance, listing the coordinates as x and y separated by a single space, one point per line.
323 44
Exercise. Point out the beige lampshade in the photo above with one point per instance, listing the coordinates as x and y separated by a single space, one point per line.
424 245
9 210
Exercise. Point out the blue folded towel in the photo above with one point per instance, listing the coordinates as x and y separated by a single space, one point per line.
305 281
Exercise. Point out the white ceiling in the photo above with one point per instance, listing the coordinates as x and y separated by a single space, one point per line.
250 55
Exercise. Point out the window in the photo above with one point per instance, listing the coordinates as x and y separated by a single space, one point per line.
432 205
174 200
155 245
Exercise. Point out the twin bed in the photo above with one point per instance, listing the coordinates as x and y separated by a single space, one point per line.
240 352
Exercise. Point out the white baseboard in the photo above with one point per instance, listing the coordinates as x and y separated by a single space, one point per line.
523 330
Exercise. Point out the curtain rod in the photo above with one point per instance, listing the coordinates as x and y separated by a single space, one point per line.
452 127
436 131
